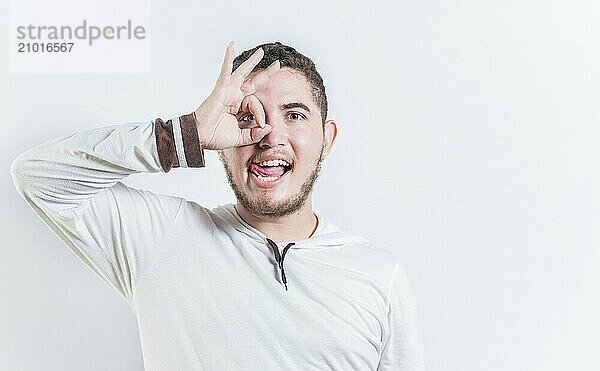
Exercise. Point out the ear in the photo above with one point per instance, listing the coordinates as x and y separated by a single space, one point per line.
329 135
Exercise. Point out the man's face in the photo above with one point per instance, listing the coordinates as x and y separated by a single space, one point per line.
298 138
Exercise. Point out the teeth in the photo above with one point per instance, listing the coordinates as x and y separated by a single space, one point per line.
267 178
274 163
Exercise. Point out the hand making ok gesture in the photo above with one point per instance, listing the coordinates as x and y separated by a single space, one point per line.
233 93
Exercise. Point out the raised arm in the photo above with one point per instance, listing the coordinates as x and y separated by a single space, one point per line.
73 183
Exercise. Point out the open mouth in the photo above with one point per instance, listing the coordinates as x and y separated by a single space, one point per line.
271 170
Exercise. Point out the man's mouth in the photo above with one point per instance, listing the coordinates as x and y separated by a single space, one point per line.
271 170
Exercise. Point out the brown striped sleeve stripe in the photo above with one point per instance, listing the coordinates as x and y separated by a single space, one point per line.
177 142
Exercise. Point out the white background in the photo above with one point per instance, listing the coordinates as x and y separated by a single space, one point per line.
468 145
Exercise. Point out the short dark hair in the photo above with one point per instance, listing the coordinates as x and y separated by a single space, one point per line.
290 57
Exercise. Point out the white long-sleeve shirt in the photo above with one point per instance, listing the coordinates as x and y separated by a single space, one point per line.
205 286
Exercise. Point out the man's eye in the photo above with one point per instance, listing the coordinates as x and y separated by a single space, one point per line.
296 116
249 117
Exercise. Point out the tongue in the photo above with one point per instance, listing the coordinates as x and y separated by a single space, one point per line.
267 170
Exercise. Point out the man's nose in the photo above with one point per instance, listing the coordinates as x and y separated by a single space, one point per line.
277 137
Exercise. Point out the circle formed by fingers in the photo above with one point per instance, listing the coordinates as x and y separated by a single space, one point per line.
251 104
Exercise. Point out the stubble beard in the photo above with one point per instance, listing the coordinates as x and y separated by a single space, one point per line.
278 209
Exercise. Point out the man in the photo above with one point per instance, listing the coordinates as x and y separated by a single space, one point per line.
265 284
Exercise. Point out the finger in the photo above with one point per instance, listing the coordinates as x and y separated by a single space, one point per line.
251 85
249 136
236 107
245 68
251 104
227 65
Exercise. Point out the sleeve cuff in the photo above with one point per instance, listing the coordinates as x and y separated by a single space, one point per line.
177 142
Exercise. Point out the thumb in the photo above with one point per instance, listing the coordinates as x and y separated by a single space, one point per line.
255 134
